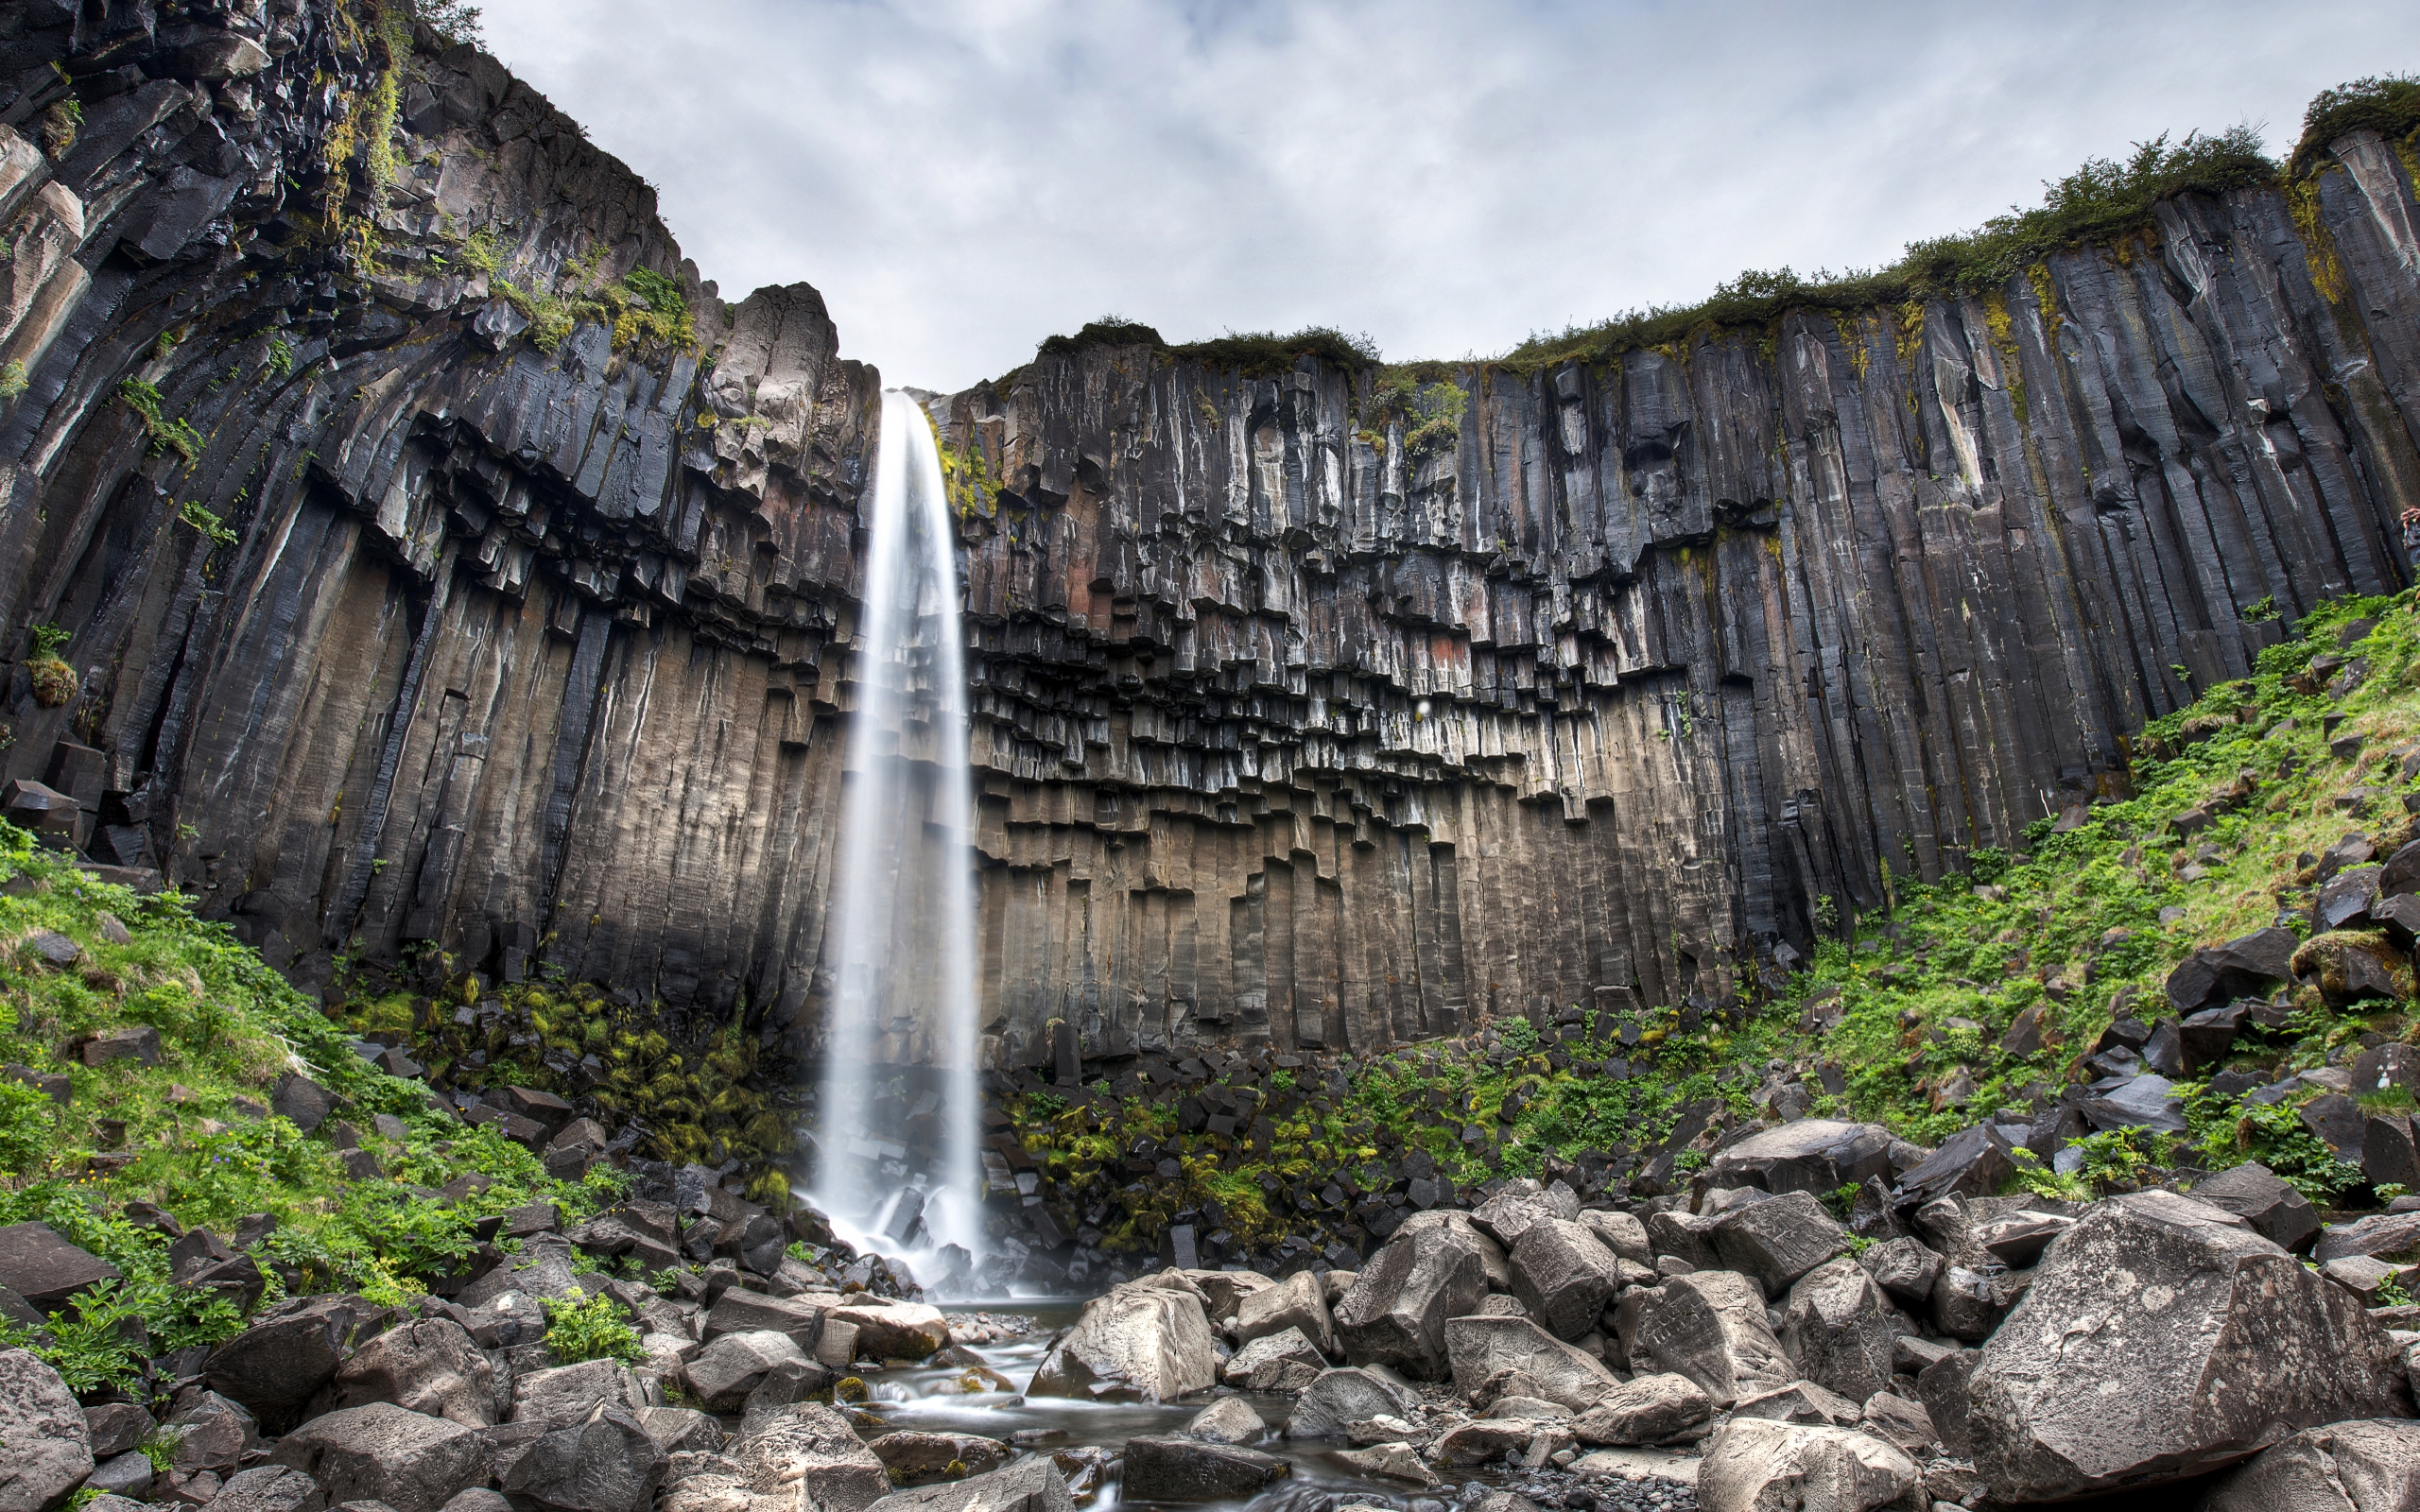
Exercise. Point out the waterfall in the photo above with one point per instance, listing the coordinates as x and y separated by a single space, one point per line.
896 1166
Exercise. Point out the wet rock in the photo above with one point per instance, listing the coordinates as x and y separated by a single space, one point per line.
570 1394
903 1331
1710 1328
1031 1485
606 1463
1816 1156
1779 1241
45 1446
2348 1467
2251 1191
1228 1421
920 1458
1175 1468
1351 1395
1267 1358
1565 1276
2206 1342
44 1269
1836 1328
1136 1341
1390 1461
1296 1303
269 1489
1645 1410
380 1452
1753 1465
728 1369
1480 1347
431 1366
1395 1314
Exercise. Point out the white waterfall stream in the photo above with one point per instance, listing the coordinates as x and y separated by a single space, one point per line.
896 1164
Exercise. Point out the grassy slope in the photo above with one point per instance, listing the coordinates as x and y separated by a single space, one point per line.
203 1147
1925 991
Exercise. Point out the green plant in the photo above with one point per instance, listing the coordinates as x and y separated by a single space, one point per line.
193 512
12 379
2388 104
26 1127
457 22
589 1328
53 680
281 357
166 434
2261 610
2033 1177
1518 1035
2391 1293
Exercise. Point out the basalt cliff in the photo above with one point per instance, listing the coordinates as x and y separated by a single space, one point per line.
441 563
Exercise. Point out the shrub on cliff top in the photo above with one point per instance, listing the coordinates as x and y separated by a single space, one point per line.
2388 104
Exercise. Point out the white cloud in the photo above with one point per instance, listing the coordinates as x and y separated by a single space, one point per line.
963 178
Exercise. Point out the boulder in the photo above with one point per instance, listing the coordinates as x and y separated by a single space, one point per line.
45 1446
1755 1465
1294 1304
902 1330
2379 1234
213 1434
1395 1314
2349 1466
607 1463
1904 1425
1137 1341
269 1489
728 1369
1974 1162
921 1459
1801 1401
1969 1304
1620 1232
2162 1338
1645 1410
1710 1326
1565 1276
44 1269
2352 967
1836 1328
571 1393
542 1269
430 1365
117 1427
1491 1439
129 1475
1031 1485
681 1430
1941 1387
1479 1347
1393 1462
1685 1237
1354 1394
2240 968
1779 1241
1509 1214
380 1452
1172 1467
1816 1156
739 1311
1225 1290
1905 1268
808 1456
1228 1421
1270 1353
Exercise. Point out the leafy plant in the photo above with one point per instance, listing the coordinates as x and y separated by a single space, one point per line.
589 1328
281 357
12 379
166 434
2391 1293
26 1126
212 529
1519 1036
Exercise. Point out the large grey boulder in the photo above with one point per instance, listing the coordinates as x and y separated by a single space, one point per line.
1779 1241
809 1458
1172 1467
2354 1467
1836 1327
1620 1232
569 1394
380 1452
429 1366
1710 1326
1031 1485
1137 1341
728 1369
902 1330
2162 1338
213 1434
1271 1360
1757 1465
1295 1303
608 1463
1564 1275
1482 1348
1905 1268
46 1270
269 1489
1351 1394
682 1430
1522 1203
1814 1155
740 1311
920 1458
2251 1191
1644 1410
1227 1420
1395 1314
292 1351
45 1446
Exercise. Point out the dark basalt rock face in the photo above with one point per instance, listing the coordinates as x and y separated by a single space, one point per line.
1292 724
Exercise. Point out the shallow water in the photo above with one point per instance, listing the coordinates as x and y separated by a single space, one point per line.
909 1399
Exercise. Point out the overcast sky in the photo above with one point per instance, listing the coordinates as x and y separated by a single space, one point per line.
963 178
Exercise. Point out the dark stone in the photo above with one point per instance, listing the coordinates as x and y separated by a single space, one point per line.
1974 1162
44 1269
1177 1468
289 1354
2240 968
